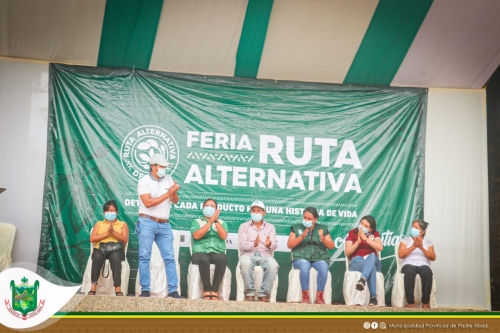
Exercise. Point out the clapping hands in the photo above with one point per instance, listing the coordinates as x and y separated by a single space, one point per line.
418 242
267 243
321 235
361 236
257 241
214 217
175 188
110 229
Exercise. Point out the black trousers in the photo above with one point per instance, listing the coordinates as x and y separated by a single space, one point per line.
203 260
410 273
115 261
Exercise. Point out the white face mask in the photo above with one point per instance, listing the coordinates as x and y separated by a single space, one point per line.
307 223
161 172
256 217
208 211
110 216
414 232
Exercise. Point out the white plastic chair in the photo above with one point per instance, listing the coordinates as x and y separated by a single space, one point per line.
398 298
158 277
258 276
105 284
195 286
294 293
352 296
7 235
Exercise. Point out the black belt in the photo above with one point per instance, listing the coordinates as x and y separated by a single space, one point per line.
154 218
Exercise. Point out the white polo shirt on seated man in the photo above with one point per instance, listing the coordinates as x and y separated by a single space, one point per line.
156 190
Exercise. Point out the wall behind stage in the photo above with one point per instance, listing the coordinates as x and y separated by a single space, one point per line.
23 144
455 196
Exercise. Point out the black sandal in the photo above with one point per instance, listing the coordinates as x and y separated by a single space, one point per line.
91 293
118 293
207 297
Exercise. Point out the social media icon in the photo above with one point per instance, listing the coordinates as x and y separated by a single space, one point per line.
374 325
382 326
366 325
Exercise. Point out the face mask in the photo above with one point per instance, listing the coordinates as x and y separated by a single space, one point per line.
110 216
256 217
161 172
365 230
307 224
414 232
208 211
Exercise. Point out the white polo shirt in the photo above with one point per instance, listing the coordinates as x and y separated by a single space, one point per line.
149 184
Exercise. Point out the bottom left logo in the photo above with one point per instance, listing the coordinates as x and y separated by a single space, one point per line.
30 299
25 303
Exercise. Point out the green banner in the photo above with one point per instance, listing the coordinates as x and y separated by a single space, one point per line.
349 151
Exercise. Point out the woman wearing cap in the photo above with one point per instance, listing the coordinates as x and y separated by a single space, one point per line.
310 242
107 231
361 246
417 254
209 246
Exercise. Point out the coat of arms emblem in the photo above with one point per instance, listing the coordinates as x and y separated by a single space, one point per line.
24 299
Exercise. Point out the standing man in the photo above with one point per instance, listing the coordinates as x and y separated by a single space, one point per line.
156 190
257 241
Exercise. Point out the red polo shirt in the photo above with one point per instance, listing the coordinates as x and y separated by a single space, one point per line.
363 248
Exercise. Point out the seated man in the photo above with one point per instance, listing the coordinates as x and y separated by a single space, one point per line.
257 241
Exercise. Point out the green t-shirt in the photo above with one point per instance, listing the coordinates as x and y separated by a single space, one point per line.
211 242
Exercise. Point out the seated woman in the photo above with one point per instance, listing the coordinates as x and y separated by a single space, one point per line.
209 246
417 254
309 242
361 246
107 231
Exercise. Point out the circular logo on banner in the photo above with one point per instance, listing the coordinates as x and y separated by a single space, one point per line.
142 143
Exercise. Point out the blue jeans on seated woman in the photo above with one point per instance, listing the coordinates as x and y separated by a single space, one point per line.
305 266
368 268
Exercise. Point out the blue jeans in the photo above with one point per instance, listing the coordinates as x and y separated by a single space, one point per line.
305 267
149 231
270 268
368 268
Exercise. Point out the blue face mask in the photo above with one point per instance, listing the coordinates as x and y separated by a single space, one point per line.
256 217
307 223
161 172
208 211
414 232
365 230
110 216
